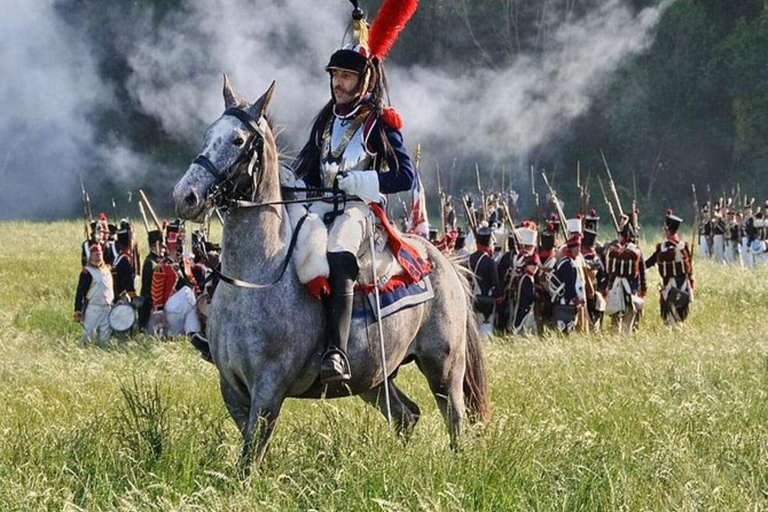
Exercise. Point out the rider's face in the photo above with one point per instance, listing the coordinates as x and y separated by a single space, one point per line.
345 85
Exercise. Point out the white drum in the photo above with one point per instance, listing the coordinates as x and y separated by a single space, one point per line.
122 317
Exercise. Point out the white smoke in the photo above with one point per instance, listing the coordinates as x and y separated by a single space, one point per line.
48 85
47 137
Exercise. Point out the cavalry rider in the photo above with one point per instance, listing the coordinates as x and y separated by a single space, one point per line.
155 239
673 259
627 284
485 279
174 303
356 148
94 297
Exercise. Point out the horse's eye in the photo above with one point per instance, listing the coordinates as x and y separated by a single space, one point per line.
238 141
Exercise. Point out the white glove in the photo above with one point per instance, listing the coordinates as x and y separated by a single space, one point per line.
363 184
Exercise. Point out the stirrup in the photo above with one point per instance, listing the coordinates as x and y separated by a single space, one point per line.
334 366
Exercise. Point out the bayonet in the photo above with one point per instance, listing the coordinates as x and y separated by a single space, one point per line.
612 184
151 210
610 206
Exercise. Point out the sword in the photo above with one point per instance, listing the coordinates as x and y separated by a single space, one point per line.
378 316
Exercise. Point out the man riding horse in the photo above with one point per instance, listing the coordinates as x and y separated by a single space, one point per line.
356 149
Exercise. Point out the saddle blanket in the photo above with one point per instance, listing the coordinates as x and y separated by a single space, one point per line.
394 299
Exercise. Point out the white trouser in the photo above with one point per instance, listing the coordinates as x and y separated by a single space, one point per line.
485 326
718 248
96 323
181 312
746 256
704 246
348 231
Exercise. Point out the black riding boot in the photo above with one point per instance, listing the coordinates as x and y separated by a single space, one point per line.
343 272
201 344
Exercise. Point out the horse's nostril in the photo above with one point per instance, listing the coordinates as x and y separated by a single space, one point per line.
191 199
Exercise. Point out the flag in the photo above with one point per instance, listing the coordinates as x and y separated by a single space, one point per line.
418 223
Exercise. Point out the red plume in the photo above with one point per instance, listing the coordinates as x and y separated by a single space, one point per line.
389 22
670 212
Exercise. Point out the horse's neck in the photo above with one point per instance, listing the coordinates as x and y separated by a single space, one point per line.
255 240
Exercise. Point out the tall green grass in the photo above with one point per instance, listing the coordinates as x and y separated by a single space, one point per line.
665 419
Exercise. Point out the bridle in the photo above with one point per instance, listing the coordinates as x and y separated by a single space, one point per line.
253 146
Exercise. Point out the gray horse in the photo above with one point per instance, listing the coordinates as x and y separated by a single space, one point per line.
267 341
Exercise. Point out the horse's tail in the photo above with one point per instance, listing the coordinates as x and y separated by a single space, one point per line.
476 393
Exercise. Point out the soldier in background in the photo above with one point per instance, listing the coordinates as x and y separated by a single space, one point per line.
705 233
595 279
733 238
94 297
123 272
485 279
568 296
522 285
673 259
460 251
747 232
155 239
627 286
718 233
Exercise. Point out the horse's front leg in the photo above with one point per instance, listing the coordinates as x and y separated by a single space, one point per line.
262 418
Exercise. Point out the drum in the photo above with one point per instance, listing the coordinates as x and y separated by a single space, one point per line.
122 317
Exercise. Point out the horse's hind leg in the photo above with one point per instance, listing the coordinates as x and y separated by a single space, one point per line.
446 380
405 413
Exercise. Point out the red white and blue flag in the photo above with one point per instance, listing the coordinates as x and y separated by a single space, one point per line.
418 222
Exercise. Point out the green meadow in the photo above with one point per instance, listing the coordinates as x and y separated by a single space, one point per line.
665 419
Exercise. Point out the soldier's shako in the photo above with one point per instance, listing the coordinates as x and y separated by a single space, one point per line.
101 292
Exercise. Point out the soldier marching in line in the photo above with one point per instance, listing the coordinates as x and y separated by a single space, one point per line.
733 238
506 269
596 280
757 245
627 285
485 280
673 259
718 233
747 233
94 297
525 265
705 233
568 295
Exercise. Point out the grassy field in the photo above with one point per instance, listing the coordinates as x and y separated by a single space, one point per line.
667 419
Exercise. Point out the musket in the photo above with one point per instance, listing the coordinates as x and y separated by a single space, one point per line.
114 212
471 220
143 216
709 201
442 198
535 196
579 187
694 231
612 185
560 214
86 209
518 240
610 206
151 210
482 194
417 156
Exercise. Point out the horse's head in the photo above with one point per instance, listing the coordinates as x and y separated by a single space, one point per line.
237 148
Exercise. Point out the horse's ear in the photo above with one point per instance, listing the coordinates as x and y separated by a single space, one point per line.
230 100
260 107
